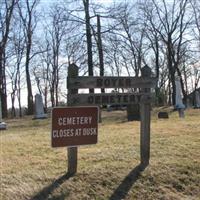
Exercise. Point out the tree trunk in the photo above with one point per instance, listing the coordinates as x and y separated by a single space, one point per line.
89 40
182 86
169 93
3 93
171 69
45 98
28 79
52 96
19 95
157 89
100 50
13 112
3 42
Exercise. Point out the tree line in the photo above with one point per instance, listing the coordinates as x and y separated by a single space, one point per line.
39 41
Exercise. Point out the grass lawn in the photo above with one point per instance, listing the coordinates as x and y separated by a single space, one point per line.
31 169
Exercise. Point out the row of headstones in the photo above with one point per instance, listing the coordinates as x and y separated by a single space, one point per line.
134 114
179 102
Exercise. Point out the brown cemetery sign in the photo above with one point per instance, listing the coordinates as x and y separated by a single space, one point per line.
142 97
74 126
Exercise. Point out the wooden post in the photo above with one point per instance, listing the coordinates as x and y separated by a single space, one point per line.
145 115
72 151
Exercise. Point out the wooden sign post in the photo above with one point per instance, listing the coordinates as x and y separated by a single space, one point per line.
145 112
72 152
142 97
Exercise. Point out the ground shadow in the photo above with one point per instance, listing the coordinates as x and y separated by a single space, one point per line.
123 189
45 192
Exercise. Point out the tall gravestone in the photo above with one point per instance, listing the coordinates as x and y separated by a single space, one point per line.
179 102
2 124
39 108
197 99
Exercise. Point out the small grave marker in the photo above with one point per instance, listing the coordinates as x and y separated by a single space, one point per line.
163 115
75 82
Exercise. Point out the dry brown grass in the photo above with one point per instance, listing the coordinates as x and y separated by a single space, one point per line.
31 169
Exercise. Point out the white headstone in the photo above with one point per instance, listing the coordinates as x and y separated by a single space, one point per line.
179 102
39 108
197 99
2 124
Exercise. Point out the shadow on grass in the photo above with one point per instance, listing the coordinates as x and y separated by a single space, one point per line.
123 189
45 192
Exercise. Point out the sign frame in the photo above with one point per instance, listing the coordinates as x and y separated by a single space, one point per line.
145 109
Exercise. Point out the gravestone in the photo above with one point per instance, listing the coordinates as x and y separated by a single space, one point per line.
179 102
163 115
197 99
2 124
189 103
39 108
133 112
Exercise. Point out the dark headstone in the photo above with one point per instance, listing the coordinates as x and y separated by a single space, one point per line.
133 112
163 115
197 99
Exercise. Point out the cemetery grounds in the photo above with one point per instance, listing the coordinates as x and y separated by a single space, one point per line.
31 169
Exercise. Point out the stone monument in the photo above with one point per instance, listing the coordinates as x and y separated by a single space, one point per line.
179 102
197 99
2 124
39 108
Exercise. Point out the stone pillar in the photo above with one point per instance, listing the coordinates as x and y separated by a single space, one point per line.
72 152
39 108
179 102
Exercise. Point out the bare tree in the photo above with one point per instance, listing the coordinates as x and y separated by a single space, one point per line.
6 13
89 39
131 33
196 32
171 27
56 32
14 70
155 48
100 49
41 70
29 18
